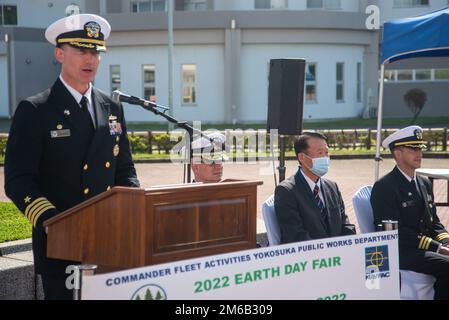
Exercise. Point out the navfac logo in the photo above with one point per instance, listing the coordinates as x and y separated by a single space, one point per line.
150 292
376 263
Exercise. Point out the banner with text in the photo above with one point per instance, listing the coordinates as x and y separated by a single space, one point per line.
347 268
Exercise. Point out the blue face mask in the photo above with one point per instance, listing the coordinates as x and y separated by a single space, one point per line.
320 166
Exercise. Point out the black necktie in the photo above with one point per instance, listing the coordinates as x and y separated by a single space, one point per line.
415 188
86 112
320 205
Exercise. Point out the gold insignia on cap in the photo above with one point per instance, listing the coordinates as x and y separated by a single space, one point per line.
116 150
92 29
84 31
59 127
418 134
112 118
27 200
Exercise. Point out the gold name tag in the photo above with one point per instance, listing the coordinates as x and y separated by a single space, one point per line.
60 133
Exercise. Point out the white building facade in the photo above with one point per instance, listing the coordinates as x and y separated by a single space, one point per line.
222 53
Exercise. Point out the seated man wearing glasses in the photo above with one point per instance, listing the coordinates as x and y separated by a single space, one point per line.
208 157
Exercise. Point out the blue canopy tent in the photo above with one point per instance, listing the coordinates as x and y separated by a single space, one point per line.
418 37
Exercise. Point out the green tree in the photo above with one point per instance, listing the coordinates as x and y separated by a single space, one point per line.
159 295
415 100
148 295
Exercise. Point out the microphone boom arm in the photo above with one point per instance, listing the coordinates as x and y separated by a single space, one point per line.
153 107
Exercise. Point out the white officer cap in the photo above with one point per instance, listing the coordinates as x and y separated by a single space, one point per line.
408 137
211 148
83 31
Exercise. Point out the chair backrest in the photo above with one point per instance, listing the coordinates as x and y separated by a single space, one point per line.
414 286
363 210
271 222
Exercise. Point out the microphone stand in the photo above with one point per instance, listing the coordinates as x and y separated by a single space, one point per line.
183 125
282 169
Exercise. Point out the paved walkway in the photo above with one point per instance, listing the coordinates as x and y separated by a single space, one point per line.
349 174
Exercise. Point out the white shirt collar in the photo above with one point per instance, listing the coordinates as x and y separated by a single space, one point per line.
310 182
76 95
406 176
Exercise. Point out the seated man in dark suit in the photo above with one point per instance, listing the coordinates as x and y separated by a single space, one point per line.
408 198
307 206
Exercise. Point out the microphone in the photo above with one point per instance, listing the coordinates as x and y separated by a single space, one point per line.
118 96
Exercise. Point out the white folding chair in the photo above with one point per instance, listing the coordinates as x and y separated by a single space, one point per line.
271 222
363 211
414 286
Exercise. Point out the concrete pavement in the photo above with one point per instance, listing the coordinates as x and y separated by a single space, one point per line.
16 264
349 174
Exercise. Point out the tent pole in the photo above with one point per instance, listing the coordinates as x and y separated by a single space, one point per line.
378 159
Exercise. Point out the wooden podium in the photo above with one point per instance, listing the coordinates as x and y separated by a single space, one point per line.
127 228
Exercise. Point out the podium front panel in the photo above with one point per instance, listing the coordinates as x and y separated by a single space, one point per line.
129 228
204 223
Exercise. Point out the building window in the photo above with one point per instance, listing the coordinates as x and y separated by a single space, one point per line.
340 82
188 84
116 80
148 6
191 5
149 82
359 82
324 4
410 3
418 75
404 75
442 74
390 75
8 15
270 4
311 94
423 75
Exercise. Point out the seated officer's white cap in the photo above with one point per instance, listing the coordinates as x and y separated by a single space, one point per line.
411 137
83 31
212 151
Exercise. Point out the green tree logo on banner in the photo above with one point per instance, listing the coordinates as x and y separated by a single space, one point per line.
150 292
